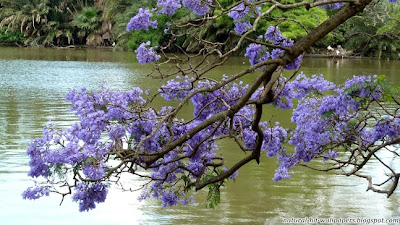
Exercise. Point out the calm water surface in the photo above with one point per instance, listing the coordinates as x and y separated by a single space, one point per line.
33 83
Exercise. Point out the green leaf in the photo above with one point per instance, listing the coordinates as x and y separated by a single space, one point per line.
327 114
90 160
214 195
77 167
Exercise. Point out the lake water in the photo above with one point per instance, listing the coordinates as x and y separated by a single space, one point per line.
33 83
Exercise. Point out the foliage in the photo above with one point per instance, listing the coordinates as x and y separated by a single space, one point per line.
89 22
49 23
375 32
215 31
120 11
11 37
123 133
294 24
27 17
156 36
66 25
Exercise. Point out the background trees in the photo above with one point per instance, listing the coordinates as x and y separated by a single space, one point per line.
66 22
375 31
57 23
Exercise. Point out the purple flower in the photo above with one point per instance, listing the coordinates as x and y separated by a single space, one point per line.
168 6
89 194
146 55
258 53
273 34
36 192
238 12
302 85
169 199
93 171
323 121
199 7
141 21
234 174
276 52
254 52
387 128
274 140
241 28
294 64
330 155
116 132
333 6
282 172
177 89
249 138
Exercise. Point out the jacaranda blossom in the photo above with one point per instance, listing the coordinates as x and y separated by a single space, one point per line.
146 55
141 21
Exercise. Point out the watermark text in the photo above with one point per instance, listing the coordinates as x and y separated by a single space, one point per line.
311 220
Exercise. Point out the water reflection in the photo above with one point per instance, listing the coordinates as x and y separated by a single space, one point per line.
33 84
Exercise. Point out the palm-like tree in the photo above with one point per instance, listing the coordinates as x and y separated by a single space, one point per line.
27 16
88 21
31 17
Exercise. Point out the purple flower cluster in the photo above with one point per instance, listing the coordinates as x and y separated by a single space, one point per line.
36 192
330 155
210 103
177 89
273 34
80 148
338 5
113 113
241 28
169 199
168 6
199 7
111 122
274 139
89 194
333 6
146 55
94 170
205 103
240 15
258 53
141 21
326 122
362 87
388 128
300 88
238 12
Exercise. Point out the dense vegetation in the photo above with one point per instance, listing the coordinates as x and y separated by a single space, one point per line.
103 23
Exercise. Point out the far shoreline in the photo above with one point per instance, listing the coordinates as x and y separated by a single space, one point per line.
111 48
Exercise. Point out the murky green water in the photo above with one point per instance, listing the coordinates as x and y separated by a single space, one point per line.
33 83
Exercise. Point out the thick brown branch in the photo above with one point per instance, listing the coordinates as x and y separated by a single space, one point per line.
297 49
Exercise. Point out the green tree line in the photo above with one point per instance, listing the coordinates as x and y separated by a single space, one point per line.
48 23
